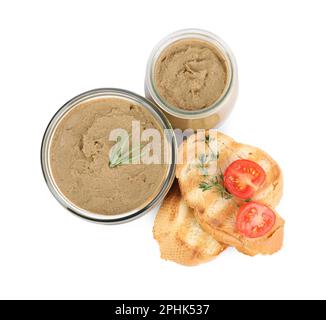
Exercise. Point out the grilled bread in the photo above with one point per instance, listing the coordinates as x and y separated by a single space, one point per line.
226 233
217 214
178 234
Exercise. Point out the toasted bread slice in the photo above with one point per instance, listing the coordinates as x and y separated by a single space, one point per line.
178 234
217 214
226 233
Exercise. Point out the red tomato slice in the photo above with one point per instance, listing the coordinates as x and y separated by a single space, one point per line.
255 220
243 178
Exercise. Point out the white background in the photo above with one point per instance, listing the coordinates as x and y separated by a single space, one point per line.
52 51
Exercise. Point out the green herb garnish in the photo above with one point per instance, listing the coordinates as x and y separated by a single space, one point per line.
120 156
202 165
205 159
215 184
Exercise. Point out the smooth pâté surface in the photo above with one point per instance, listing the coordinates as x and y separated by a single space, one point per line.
190 74
79 158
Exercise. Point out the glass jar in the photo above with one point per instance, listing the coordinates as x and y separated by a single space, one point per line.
169 139
209 117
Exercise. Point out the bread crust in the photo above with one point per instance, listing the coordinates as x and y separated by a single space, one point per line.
179 235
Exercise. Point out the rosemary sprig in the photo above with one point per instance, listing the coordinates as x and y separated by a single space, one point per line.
205 186
205 159
203 162
217 181
215 184
120 156
214 154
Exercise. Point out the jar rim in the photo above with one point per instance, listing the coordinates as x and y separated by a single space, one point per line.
183 34
167 181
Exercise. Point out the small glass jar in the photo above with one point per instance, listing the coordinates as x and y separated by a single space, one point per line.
169 137
209 117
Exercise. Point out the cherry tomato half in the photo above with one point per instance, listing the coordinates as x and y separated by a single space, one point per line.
243 178
255 220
